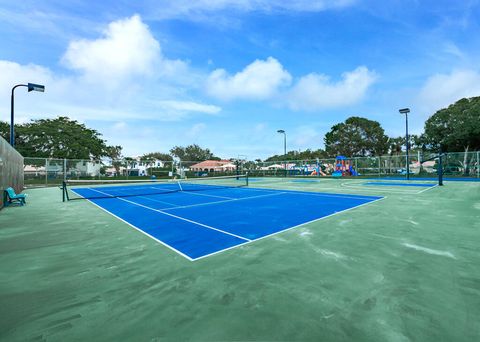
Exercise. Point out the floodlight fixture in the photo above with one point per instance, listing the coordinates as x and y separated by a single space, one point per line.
31 87
35 87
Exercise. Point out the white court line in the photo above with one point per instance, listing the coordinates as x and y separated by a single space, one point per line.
333 195
289 228
313 193
207 195
358 186
303 191
319 189
154 200
134 188
175 216
430 188
140 230
247 241
390 190
268 183
226 201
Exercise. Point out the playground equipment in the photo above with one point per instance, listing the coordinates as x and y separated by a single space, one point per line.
316 169
306 168
343 167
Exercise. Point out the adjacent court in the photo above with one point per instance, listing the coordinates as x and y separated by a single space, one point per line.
200 221
421 185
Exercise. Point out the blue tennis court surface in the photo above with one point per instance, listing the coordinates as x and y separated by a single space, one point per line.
424 185
199 224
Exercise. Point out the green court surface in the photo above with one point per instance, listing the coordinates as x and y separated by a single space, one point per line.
405 268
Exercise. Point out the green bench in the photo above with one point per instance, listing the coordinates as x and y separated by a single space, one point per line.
10 197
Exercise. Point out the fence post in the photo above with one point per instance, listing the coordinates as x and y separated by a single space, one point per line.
478 164
46 172
64 169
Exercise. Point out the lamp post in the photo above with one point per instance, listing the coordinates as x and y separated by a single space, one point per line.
407 143
281 131
31 87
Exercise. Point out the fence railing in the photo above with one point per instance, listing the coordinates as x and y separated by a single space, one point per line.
51 172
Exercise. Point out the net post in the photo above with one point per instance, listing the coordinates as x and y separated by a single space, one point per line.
237 168
64 169
440 169
246 178
64 190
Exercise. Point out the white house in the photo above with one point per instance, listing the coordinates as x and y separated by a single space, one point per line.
140 167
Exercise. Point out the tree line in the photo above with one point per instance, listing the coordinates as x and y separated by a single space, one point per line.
62 137
452 129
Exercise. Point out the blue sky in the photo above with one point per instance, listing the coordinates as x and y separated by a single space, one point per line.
226 74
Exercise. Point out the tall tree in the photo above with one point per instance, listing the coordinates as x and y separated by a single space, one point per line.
157 155
395 145
115 154
308 154
57 138
193 153
356 137
456 128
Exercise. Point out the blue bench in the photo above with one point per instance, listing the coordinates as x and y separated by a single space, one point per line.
11 197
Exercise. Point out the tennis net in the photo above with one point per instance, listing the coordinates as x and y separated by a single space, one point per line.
96 189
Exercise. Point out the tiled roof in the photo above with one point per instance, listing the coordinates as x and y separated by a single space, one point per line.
210 163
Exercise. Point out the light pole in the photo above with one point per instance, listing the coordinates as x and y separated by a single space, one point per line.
31 87
281 131
407 144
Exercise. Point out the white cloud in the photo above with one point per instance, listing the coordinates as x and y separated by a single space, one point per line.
74 97
127 48
260 80
14 73
316 91
200 9
196 130
452 49
267 79
107 87
302 5
189 106
441 90
34 104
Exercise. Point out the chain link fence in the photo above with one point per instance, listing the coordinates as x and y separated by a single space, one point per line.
51 172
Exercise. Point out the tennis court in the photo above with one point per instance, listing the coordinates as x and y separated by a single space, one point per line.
199 218
354 267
